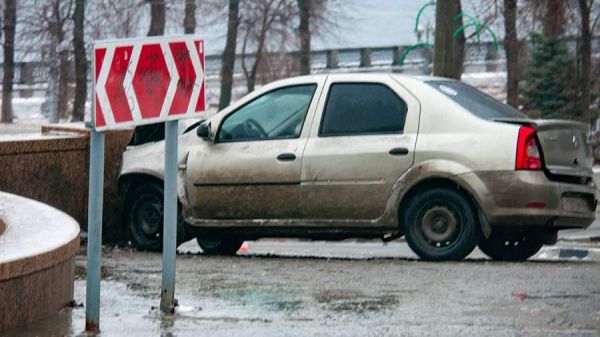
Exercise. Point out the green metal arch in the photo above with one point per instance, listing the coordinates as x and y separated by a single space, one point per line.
412 47
463 27
470 17
430 3
478 31
473 22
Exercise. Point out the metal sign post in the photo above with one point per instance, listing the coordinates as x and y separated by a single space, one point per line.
136 82
167 299
94 243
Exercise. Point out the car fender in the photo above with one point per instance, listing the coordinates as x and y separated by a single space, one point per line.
436 169
148 160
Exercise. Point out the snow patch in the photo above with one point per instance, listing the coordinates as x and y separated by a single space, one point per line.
32 228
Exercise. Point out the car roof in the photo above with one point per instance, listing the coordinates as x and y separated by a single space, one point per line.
317 77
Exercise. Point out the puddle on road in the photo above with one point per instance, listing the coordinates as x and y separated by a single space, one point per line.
354 301
269 299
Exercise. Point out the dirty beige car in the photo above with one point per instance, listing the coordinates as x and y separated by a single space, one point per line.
331 157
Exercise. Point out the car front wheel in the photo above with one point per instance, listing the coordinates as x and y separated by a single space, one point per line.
219 246
511 245
143 215
440 225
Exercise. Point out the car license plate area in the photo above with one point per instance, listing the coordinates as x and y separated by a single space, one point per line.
575 203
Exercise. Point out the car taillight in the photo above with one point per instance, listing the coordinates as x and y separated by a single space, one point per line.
528 152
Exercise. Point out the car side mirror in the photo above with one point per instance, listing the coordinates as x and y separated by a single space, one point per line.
203 131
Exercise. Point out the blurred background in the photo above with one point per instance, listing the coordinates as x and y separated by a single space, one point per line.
541 56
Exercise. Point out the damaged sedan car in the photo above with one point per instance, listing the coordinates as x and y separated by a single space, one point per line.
331 157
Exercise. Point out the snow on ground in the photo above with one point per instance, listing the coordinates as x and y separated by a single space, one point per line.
29 110
485 79
492 83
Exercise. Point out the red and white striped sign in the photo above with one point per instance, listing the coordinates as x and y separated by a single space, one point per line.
147 80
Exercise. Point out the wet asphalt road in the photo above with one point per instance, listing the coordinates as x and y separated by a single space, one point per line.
271 291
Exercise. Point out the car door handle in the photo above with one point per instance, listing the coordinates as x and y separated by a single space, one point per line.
399 151
286 157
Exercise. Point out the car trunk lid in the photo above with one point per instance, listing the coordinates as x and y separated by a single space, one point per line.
564 145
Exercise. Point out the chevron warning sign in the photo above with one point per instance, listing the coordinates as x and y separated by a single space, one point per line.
147 80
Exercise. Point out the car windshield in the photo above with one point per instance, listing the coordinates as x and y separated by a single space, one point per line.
477 102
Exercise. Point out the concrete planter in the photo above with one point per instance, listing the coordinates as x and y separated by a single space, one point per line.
37 260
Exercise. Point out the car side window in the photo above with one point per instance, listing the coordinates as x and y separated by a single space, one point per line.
362 108
278 114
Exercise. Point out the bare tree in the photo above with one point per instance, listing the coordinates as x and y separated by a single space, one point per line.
304 7
47 29
80 61
157 17
449 52
189 20
114 19
511 47
264 19
228 64
10 18
585 52
61 18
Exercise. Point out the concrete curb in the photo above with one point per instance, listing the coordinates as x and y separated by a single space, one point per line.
575 253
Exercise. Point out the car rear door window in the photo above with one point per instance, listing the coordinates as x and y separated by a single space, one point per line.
362 108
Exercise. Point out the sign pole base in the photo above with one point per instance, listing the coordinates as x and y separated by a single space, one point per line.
167 299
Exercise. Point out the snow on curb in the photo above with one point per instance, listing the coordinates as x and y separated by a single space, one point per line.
569 253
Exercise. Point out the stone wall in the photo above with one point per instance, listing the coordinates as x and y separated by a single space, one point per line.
53 168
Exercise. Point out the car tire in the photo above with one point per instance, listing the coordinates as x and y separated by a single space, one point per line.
226 247
143 215
511 245
440 224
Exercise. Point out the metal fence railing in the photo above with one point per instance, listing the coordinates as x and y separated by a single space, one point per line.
32 76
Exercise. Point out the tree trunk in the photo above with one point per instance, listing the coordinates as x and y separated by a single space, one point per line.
251 76
304 32
449 52
586 59
53 79
80 61
511 47
157 17
189 20
53 91
63 83
555 17
63 64
227 67
10 19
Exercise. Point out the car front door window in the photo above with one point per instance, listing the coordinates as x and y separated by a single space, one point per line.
278 114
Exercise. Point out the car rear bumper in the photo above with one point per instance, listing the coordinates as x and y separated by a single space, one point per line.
529 198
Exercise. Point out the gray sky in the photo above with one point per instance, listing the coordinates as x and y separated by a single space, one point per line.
359 23
362 23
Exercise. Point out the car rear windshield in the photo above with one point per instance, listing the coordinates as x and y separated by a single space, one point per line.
477 102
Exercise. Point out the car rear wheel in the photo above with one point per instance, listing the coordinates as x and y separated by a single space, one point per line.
219 246
143 215
440 225
512 245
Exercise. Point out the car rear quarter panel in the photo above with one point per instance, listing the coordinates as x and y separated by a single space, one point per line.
452 142
449 132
